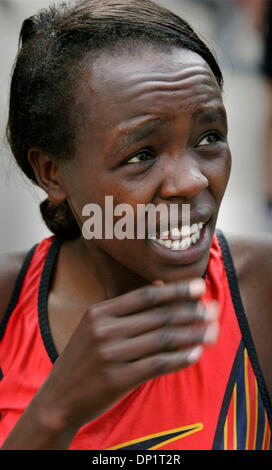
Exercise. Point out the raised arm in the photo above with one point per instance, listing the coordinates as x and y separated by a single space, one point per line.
119 344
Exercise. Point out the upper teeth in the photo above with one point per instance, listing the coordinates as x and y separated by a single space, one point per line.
185 231
174 240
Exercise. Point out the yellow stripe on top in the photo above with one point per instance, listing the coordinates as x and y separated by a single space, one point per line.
246 423
265 430
269 438
235 417
256 412
247 397
168 441
184 430
226 434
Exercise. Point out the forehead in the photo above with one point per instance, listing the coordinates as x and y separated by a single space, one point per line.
120 87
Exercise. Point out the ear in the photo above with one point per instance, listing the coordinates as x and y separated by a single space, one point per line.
48 175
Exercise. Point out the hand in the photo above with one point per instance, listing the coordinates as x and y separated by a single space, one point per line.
122 342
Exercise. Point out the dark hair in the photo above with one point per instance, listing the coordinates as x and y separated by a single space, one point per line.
51 48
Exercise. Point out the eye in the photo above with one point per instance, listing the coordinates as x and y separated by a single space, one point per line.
141 157
210 139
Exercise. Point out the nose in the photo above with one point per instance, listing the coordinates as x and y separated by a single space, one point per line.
182 177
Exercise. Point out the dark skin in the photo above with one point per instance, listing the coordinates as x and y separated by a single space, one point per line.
112 328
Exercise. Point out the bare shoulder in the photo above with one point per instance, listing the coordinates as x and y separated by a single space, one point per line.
252 256
10 265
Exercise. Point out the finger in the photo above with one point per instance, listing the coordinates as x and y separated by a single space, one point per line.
158 317
174 314
191 312
151 296
208 310
161 364
161 340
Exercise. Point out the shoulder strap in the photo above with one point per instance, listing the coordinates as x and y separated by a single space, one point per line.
242 320
42 299
16 290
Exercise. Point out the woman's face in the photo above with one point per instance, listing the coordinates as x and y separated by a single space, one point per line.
154 132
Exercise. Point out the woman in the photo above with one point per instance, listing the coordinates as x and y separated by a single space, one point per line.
131 343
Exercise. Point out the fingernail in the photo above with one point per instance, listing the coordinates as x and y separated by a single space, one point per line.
211 333
158 282
195 354
212 311
197 287
201 311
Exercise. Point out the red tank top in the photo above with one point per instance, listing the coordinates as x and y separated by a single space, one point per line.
219 403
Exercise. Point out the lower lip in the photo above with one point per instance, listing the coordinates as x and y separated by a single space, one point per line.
179 257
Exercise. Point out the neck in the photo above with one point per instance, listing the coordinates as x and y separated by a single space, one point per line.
98 268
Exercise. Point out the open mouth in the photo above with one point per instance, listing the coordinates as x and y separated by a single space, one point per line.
180 239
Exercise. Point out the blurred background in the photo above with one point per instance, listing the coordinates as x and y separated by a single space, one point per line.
235 33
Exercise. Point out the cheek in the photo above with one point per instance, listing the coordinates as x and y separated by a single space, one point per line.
132 191
226 170
84 190
218 173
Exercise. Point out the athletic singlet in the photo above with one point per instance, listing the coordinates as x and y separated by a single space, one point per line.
219 403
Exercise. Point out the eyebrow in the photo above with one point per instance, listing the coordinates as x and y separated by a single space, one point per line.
208 116
127 137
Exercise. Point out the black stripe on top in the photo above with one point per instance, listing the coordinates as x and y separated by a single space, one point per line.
16 290
243 323
43 297
227 397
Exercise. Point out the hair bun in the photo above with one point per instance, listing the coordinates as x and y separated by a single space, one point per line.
60 219
28 29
